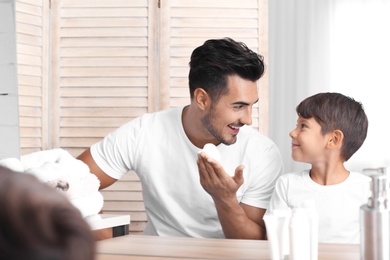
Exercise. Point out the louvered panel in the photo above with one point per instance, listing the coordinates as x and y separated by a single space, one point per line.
101 82
29 19
99 92
103 62
125 197
104 102
34 61
103 67
30 100
31 7
208 12
103 12
31 122
31 132
28 39
31 28
91 132
29 81
33 50
105 72
91 122
103 112
95 41
27 111
193 22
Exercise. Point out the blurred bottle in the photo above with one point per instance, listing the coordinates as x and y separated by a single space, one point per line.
299 233
310 206
374 222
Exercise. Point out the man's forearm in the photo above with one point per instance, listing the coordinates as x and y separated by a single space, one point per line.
235 222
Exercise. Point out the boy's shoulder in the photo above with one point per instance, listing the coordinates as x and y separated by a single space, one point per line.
294 175
359 177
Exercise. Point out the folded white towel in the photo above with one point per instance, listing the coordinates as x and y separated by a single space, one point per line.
13 164
59 169
89 205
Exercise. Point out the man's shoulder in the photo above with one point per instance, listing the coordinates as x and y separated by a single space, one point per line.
169 114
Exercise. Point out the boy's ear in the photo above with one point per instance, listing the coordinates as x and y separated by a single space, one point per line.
336 138
201 98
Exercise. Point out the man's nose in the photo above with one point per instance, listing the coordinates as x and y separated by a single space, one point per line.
247 116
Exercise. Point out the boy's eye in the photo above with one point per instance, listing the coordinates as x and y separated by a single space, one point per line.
303 125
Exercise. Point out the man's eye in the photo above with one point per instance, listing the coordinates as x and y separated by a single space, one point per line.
238 107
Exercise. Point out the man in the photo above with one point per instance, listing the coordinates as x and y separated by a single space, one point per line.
184 196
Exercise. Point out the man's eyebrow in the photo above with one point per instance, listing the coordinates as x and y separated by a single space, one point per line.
244 103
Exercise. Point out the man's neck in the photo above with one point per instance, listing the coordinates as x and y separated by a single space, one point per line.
193 127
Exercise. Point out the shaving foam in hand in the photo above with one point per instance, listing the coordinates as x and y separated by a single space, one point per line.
212 151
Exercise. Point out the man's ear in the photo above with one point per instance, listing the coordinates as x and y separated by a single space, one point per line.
336 138
201 98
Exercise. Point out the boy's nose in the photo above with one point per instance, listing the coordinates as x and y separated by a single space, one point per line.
293 134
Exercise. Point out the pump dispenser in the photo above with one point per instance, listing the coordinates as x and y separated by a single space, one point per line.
374 222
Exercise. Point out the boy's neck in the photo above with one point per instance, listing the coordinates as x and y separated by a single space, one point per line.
329 175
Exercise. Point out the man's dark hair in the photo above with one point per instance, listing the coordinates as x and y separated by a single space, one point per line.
334 111
216 59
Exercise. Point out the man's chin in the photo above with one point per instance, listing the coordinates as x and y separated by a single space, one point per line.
230 141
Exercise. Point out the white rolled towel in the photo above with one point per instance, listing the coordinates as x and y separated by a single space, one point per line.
58 168
12 163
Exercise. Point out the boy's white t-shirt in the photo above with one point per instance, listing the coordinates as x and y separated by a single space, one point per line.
156 147
338 206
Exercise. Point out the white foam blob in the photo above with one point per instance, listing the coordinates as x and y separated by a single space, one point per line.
212 151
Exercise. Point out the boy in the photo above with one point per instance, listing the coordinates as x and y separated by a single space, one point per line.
331 128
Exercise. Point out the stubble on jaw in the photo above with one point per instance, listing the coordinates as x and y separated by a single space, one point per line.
208 125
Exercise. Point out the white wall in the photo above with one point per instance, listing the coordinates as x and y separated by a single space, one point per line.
9 114
336 46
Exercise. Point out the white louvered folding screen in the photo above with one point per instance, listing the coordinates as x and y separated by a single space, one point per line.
32 57
187 24
103 76
106 75
113 60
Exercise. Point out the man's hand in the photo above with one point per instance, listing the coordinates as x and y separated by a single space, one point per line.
216 181
238 220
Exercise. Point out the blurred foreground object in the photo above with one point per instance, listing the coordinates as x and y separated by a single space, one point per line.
37 222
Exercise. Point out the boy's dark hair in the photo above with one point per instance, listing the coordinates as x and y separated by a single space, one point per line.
334 111
213 61
38 222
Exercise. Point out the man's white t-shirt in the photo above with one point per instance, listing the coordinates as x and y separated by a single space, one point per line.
156 147
337 205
